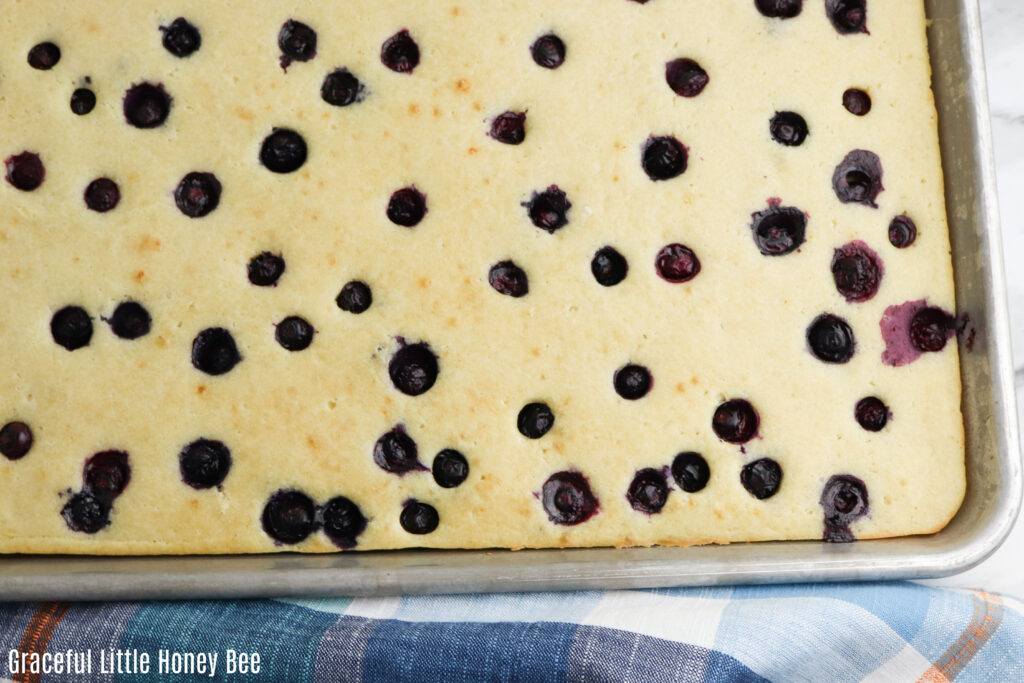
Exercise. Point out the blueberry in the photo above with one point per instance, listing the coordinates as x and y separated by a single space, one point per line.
686 77
676 263
396 452
85 513
294 333
857 271
548 51
858 178
15 440
609 267
509 279
831 339
632 382
450 468
509 127
648 492
844 500
130 320
535 420
181 38
400 53
25 171
871 414
214 351
355 297
297 43
930 329
283 151
146 105
761 478
567 498
848 16
902 232
419 518
857 102
788 128
289 516
549 210
102 195
83 101
265 269
663 157
343 522
779 9
413 369
407 207
71 327
341 88
198 194
779 230
44 56
106 475
735 421
691 471
204 463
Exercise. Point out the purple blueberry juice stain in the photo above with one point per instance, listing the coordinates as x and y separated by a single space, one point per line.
844 500
933 328
567 498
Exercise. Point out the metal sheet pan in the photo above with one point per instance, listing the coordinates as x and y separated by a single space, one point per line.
993 456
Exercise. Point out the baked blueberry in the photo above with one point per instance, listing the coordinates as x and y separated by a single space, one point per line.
342 522
83 101
686 77
632 382
297 43
214 351
779 230
265 269
830 339
71 327
283 151
181 38
857 102
648 492
535 420
407 207
871 413
858 178
509 127
788 128
663 157
130 320
204 463
106 475
102 195
146 105
549 210
400 53
677 263
548 51
857 271
25 171
848 16
413 369
85 513
355 297
419 518
567 498
902 232
691 471
609 267
761 478
43 56
289 516
450 468
294 333
341 88
844 500
15 440
735 421
197 194
930 329
779 9
509 279
396 452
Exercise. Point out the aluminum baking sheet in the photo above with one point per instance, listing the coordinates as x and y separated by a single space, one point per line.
993 456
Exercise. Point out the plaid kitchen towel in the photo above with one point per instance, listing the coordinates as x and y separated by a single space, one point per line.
844 632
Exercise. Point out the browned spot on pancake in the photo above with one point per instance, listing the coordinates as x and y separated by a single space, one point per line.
693 381
535 352
477 106
140 275
437 111
615 179
161 342
462 85
193 503
414 108
473 150
455 11
680 387
558 446
423 282
244 114
201 389
312 443
149 243
450 322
